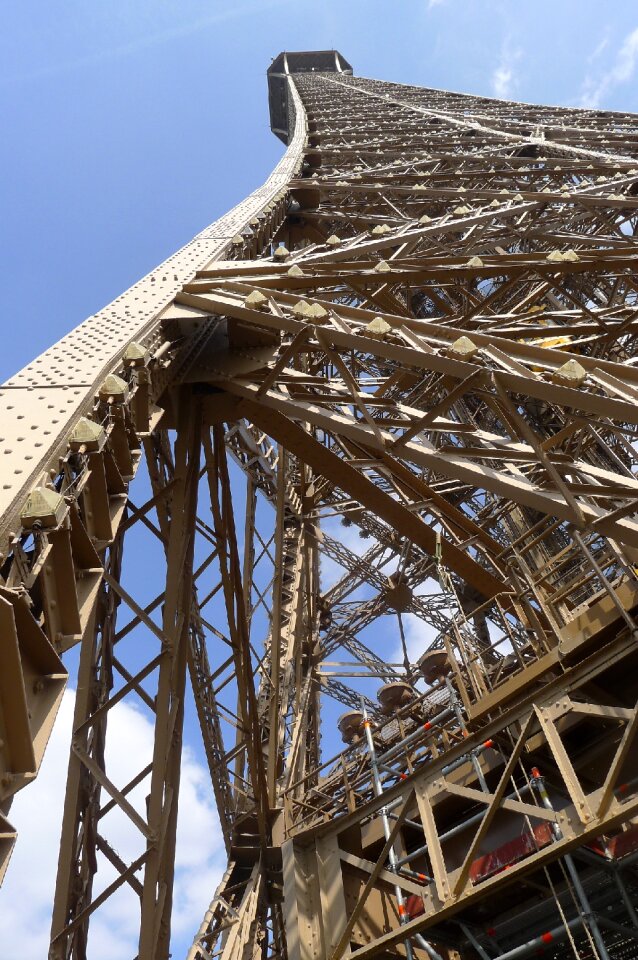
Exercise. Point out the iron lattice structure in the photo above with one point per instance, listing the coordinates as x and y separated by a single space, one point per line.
423 328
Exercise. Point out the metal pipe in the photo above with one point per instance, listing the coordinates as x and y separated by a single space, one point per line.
392 771
539 783
464 759
460 827
456 706
483 954
629 907
411 737
392 857
614 868
376 780
540 942
425 945
408 823
422 877
444 770
617 927
588 914
394 803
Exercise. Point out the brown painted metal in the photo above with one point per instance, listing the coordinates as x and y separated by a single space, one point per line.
424 325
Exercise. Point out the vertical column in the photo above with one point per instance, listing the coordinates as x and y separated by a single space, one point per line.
157 894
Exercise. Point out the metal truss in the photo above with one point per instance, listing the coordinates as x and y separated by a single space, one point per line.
408 358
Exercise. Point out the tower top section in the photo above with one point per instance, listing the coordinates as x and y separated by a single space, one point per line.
301 61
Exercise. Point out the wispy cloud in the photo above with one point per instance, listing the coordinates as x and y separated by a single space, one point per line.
147 41
600 48
597 88
502 80
504 77
435 3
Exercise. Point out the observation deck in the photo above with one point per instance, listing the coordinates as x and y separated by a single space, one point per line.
307 61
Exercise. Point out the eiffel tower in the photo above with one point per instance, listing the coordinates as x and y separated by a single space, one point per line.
350 481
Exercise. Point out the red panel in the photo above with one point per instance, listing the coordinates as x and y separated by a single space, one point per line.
511 852
414 906
624 843
616 847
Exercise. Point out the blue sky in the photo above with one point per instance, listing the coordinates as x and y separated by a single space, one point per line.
130 125
134 124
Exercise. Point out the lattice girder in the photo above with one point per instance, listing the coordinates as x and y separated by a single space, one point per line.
423 327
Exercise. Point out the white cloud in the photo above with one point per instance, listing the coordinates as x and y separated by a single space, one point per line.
504 80
595 89
331 571
27 894
418 637
435 3
599 49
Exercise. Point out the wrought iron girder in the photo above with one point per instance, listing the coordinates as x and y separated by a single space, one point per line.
443 355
